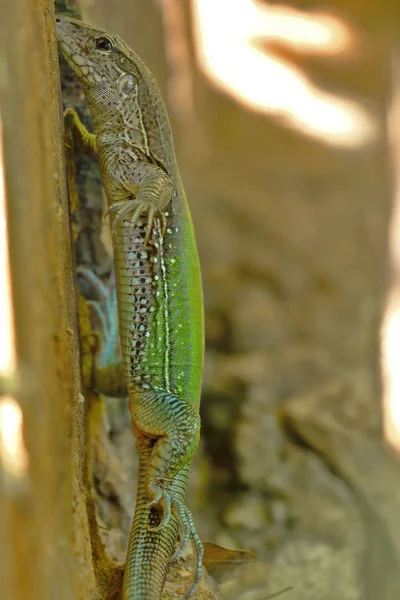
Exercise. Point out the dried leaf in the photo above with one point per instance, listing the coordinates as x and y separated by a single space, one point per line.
223 563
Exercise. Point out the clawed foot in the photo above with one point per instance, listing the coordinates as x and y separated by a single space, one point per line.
105 311
188 532
131 210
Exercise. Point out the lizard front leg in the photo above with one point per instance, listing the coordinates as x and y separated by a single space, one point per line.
77 140
77 135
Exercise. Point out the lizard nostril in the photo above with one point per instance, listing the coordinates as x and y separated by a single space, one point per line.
57 19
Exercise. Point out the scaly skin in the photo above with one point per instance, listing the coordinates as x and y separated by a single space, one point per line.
158 291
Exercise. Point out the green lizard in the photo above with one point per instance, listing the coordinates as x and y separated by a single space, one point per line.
158 291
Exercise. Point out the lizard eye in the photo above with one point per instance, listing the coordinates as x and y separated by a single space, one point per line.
103 43
126 84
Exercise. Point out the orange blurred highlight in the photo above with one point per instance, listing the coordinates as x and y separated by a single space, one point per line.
13 456
314 33
225 34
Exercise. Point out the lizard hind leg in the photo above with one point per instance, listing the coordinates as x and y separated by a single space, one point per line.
173 504
189 532
175 425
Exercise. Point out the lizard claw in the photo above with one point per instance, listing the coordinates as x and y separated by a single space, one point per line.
185 521
149 224
132 211
119 207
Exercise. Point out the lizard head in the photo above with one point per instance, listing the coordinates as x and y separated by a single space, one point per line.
115 80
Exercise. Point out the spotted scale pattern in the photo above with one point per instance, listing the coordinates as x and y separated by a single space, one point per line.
136 270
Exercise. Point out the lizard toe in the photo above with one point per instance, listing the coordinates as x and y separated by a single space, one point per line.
164 499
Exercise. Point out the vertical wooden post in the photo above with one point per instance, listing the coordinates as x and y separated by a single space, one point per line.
44 541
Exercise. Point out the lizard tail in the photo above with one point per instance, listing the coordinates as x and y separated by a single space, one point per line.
150 550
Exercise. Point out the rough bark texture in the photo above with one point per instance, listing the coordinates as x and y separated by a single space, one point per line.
44 534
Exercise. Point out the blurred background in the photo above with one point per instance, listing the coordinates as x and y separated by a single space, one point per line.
286 132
